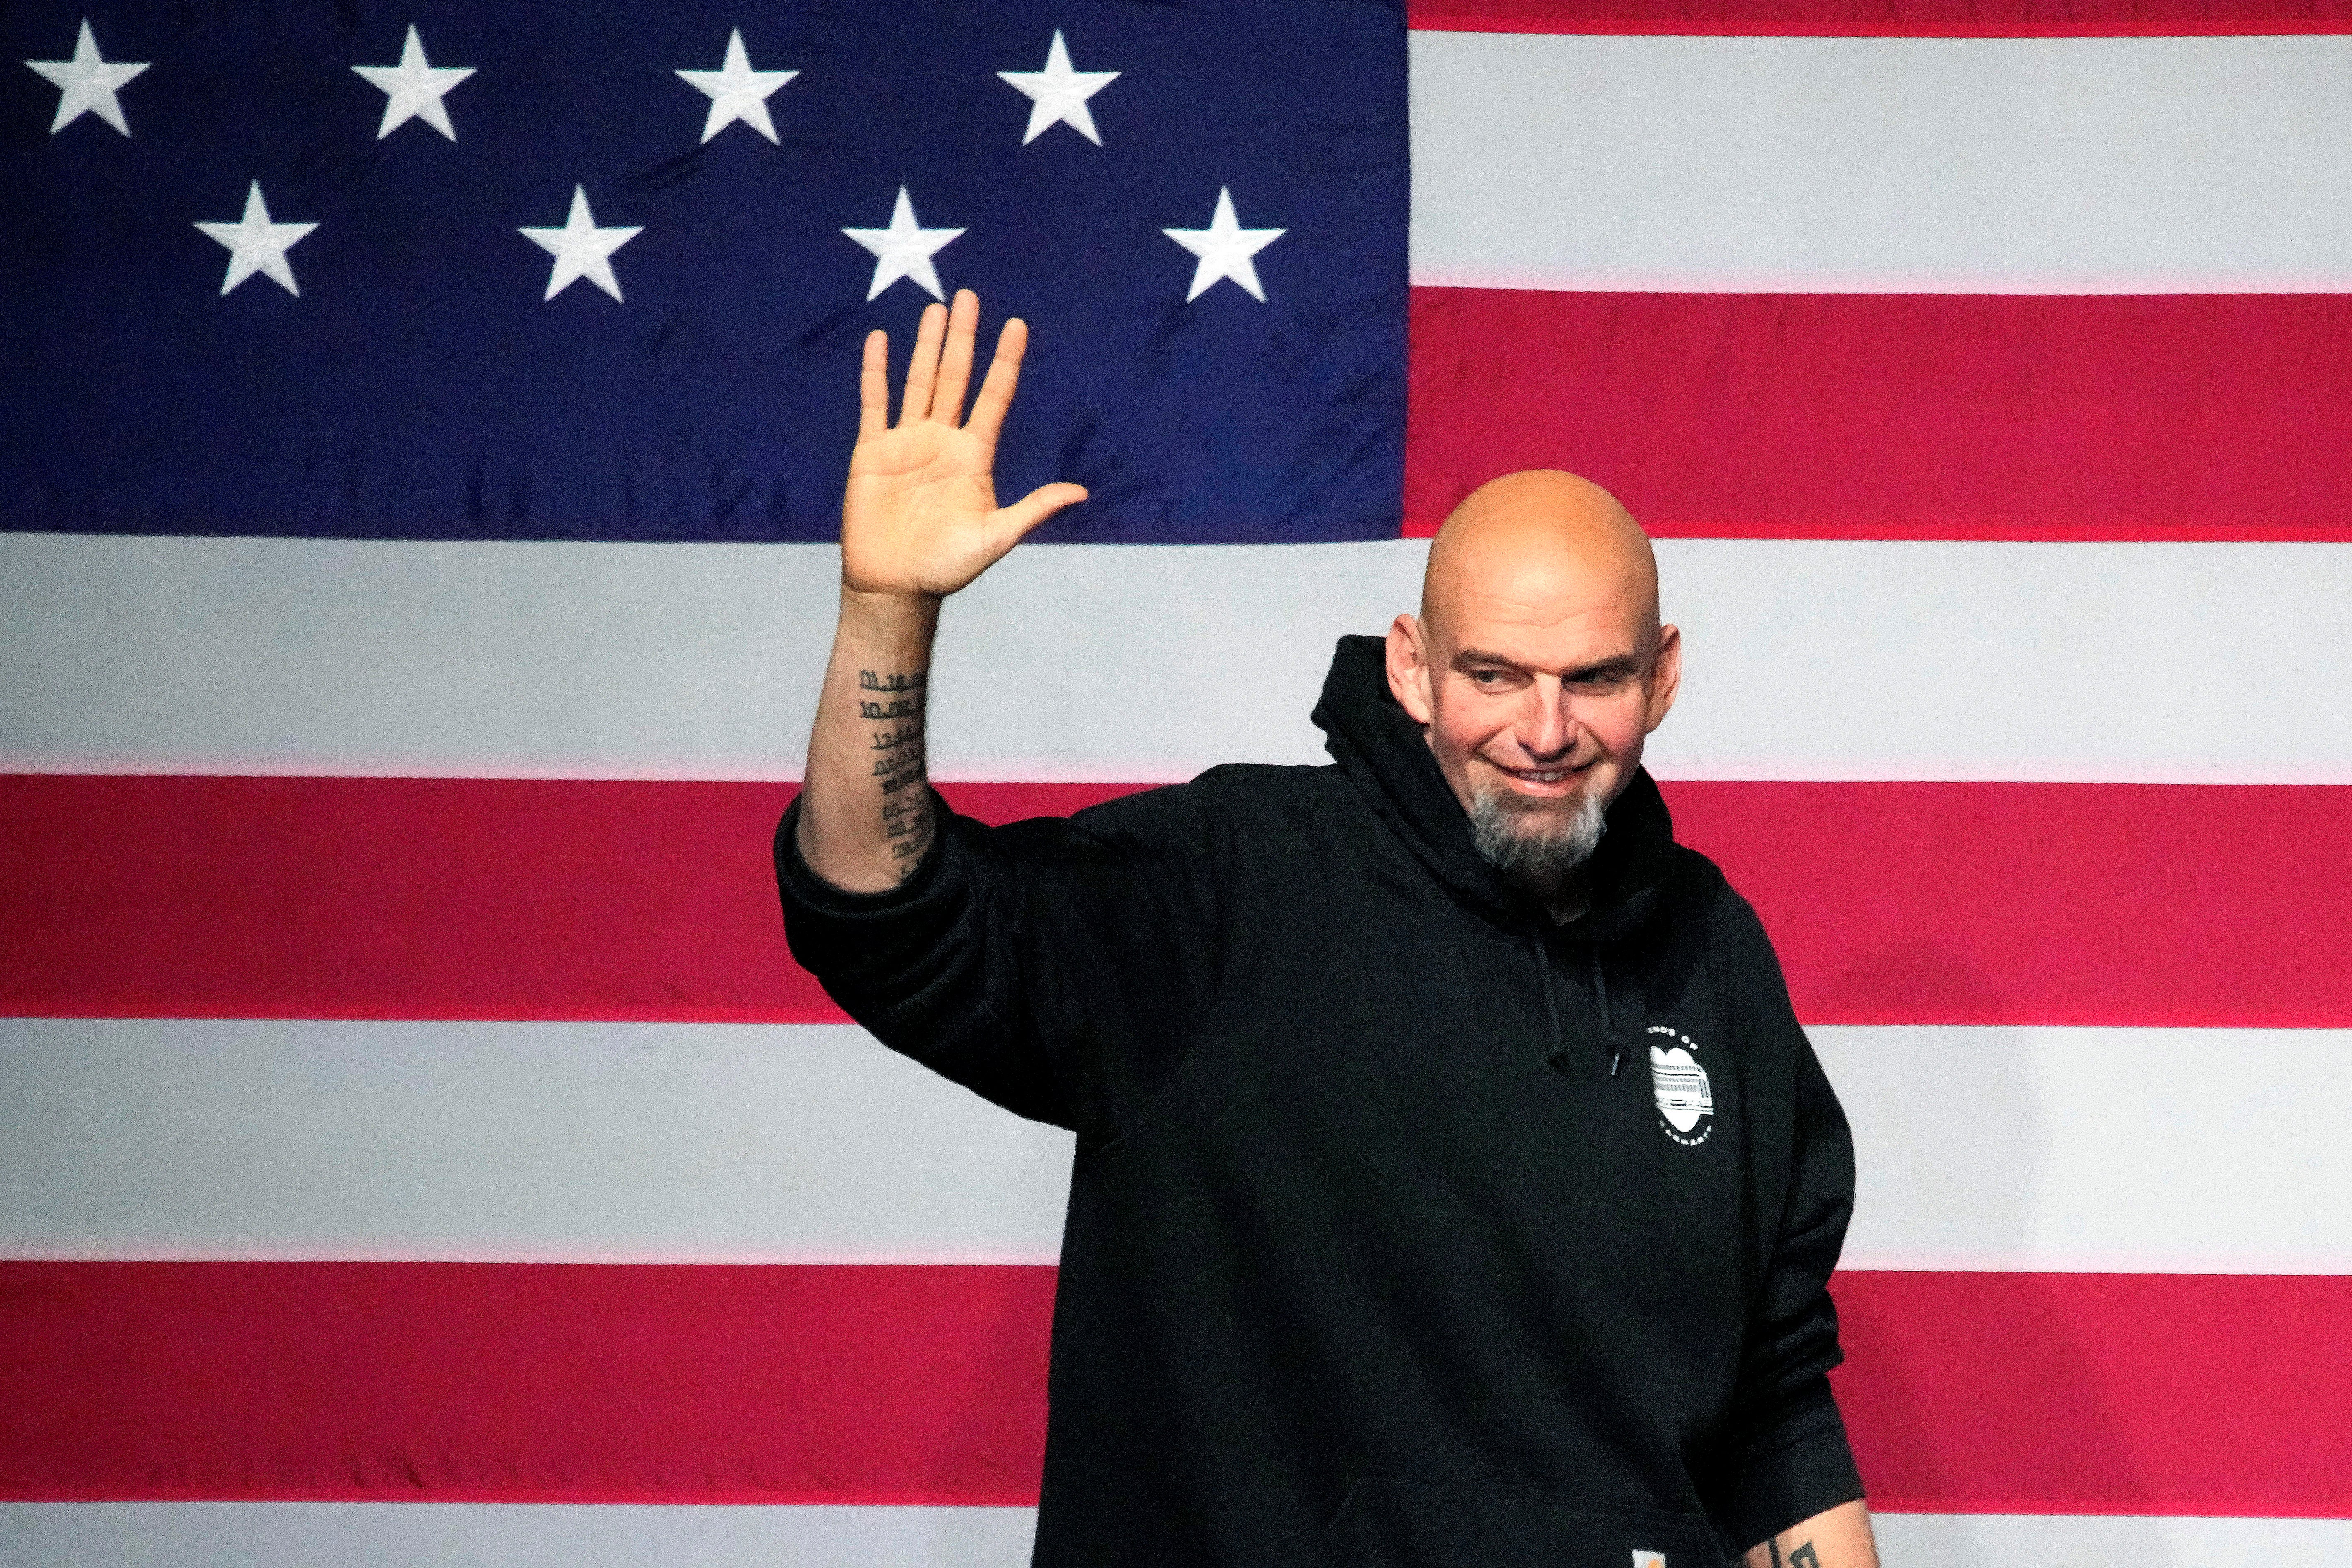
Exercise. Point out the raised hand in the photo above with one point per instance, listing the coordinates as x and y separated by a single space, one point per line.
920 517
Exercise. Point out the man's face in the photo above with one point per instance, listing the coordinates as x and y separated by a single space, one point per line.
1538 688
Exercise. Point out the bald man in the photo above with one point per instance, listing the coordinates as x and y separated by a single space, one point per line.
1454 1187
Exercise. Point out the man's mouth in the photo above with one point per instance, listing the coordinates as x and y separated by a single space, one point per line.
1541 779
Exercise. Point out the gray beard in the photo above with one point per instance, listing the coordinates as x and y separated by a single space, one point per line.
1534 847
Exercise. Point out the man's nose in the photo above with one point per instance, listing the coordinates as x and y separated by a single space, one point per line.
1548 733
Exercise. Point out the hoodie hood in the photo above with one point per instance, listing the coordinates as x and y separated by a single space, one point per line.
1382 752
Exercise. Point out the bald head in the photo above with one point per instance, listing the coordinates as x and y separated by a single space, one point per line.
1541 537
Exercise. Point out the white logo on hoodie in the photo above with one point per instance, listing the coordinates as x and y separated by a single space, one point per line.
1685 1100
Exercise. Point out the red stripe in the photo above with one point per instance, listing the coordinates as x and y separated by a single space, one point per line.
1888 18
366 897
2162 906
1926 903
523 1382
1965 1393
1897 416
2137 1393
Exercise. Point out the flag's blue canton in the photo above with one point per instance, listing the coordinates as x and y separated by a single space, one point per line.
419 386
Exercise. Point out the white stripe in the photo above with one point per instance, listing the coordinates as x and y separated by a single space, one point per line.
2109 1541
1873 659
2135 1150
511 1535
569 1535
1931 166
2159 1151
208 1138
1819 659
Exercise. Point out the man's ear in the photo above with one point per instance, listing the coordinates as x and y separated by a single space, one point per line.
1665 677
1408 663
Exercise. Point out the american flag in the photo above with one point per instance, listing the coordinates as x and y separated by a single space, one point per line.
409 624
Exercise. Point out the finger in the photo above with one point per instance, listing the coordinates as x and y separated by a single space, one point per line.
924 368
1012 521
874 386
955 362
1004 377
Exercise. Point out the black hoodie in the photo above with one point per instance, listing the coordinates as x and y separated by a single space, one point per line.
1406 1227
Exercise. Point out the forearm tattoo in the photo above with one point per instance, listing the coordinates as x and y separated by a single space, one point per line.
895 708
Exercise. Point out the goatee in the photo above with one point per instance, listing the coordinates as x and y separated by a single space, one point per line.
1536 844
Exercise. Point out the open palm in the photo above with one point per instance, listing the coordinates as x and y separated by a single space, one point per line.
920 515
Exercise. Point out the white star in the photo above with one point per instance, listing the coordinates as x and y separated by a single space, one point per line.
414 89
736 91
257 244
1058 95
903 250
1224 249
581 249
86 84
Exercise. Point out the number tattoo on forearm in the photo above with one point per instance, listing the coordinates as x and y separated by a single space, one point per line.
899 761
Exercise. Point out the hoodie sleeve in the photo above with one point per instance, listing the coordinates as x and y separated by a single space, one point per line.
1054 966
1784 1456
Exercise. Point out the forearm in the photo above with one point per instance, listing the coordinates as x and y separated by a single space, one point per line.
865 814
1839 1538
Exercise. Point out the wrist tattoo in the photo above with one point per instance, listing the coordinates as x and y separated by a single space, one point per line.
898 762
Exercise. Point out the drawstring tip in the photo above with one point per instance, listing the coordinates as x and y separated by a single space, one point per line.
1616 1060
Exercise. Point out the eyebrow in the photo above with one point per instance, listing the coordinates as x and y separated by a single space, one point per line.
1624 664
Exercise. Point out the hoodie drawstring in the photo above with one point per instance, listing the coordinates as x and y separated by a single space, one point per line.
1608 1029
1552 1003
1551 1006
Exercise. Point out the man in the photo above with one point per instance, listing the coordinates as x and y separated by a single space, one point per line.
1455 1185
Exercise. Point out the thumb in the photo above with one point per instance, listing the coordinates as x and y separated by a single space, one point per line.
1014 521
